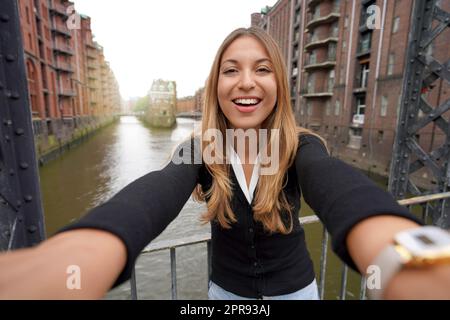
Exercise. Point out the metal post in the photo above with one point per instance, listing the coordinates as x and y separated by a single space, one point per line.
421 71
21 216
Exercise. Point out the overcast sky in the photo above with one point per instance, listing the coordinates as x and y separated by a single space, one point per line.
169 39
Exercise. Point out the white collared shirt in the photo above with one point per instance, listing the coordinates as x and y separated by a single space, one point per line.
239 172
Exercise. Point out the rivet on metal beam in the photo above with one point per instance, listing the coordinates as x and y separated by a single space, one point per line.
15 96
405 156
32 229
7 138
411 115
24 165
10 57
4 18
11 172
19 203
20 131
28 198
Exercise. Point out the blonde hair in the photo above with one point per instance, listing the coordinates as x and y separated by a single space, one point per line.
267 209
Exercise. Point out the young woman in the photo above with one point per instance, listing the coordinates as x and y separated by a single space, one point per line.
258 245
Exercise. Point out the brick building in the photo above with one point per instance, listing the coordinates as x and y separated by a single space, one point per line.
67 95
346 75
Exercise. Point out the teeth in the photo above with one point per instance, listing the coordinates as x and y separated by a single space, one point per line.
247 101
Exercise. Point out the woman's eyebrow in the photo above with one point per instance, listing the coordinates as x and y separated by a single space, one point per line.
236 62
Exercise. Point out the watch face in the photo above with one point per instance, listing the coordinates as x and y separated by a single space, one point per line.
427 242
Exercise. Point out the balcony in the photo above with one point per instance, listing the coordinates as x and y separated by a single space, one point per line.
67 93
329 63
56 8
91 55
64 49
92 65
317 93
62 30
319 43
333 16
63 66
91 45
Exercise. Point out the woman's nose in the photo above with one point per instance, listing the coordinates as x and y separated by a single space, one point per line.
247 80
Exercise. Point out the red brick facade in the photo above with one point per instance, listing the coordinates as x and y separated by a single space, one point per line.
345 83
71 87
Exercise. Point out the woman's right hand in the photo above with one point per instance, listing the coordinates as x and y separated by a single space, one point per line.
78 264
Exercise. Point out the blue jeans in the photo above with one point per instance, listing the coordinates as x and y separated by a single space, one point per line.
310 292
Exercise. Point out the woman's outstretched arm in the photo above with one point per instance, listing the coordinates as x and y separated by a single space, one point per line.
104 244
362 219
52 269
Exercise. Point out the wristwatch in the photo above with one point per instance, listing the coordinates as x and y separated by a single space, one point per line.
414 248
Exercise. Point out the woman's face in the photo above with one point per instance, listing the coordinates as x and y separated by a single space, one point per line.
247 88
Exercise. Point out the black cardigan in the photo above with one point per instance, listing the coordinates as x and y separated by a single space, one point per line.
246 259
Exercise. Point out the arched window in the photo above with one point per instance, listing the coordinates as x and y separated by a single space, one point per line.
33 87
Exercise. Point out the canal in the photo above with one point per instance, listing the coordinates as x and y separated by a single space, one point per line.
91 173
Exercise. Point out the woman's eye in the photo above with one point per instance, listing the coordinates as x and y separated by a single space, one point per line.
263 70
229 71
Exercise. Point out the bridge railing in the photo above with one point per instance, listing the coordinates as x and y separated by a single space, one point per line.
418 205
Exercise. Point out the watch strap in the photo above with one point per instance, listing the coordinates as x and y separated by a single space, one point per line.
387 263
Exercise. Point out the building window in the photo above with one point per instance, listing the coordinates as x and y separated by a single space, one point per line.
365 42
341 75
360 105
296 34
309 108
301 110
295 53
28 14
364 76
384 105
337 108
313 36
396 24
328 108
310 85
380 136
346 22
344 44
312 57
30 41
332 51
331 81
391 63
336 6
316 12
335 30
